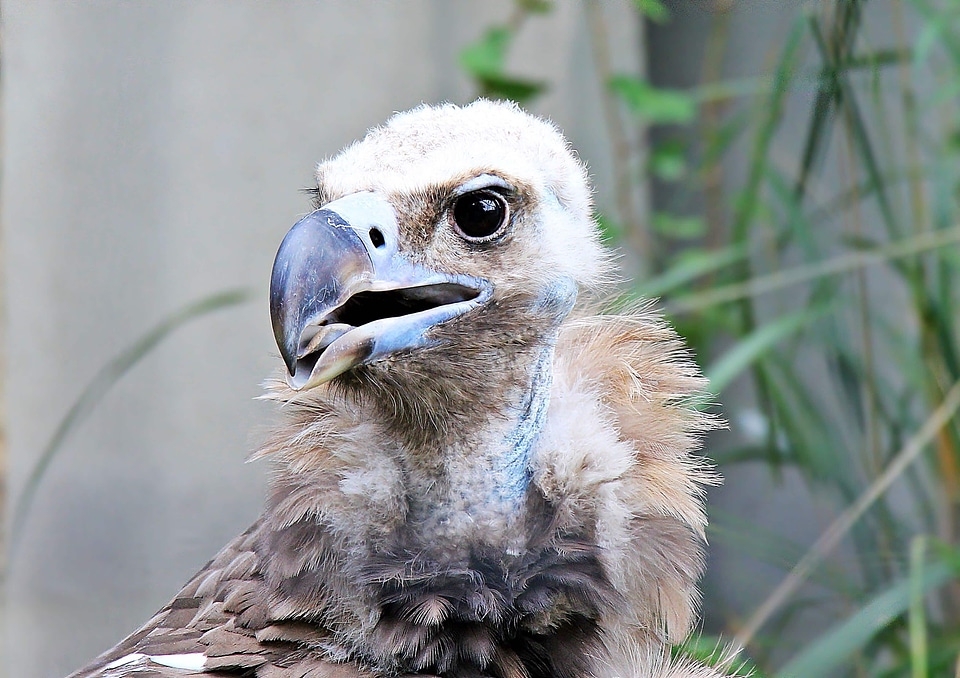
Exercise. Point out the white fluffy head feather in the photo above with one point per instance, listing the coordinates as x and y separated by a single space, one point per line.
428 145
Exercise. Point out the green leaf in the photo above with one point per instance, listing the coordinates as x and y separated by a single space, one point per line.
484 58
651 104
484 61
505 87
668 161
822 656
536 6
654 10
752 347
675 226
723 90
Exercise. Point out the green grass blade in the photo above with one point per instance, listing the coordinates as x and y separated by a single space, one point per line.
941 23
821 114
822 656
752 347
772 117
869 160
844 263
98 387
771 547
814 442
917 617
691 266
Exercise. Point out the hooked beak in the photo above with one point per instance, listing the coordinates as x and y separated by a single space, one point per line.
342 294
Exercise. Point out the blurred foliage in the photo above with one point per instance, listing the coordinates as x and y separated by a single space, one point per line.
805 241
485 59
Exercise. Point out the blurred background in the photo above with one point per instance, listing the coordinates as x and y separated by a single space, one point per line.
783 176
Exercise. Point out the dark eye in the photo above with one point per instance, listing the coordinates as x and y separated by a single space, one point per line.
480 214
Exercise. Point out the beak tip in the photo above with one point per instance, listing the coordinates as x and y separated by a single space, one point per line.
288 351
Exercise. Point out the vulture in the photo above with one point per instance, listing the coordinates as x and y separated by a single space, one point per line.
478 471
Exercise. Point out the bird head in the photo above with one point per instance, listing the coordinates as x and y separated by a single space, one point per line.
449 239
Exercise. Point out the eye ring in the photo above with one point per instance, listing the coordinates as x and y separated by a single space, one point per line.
479 216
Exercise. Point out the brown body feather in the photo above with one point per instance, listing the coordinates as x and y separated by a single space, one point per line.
613 554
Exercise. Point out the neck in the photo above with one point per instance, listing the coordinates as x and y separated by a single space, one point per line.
472 482
471 467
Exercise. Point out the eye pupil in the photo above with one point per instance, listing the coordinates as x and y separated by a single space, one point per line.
480 214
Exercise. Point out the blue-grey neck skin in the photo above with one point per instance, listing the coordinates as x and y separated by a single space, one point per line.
513 470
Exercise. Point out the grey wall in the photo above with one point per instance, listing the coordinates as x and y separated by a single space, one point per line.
153 153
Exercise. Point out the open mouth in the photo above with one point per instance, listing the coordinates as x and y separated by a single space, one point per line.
409 309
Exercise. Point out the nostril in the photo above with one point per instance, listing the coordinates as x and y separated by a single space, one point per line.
376 237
